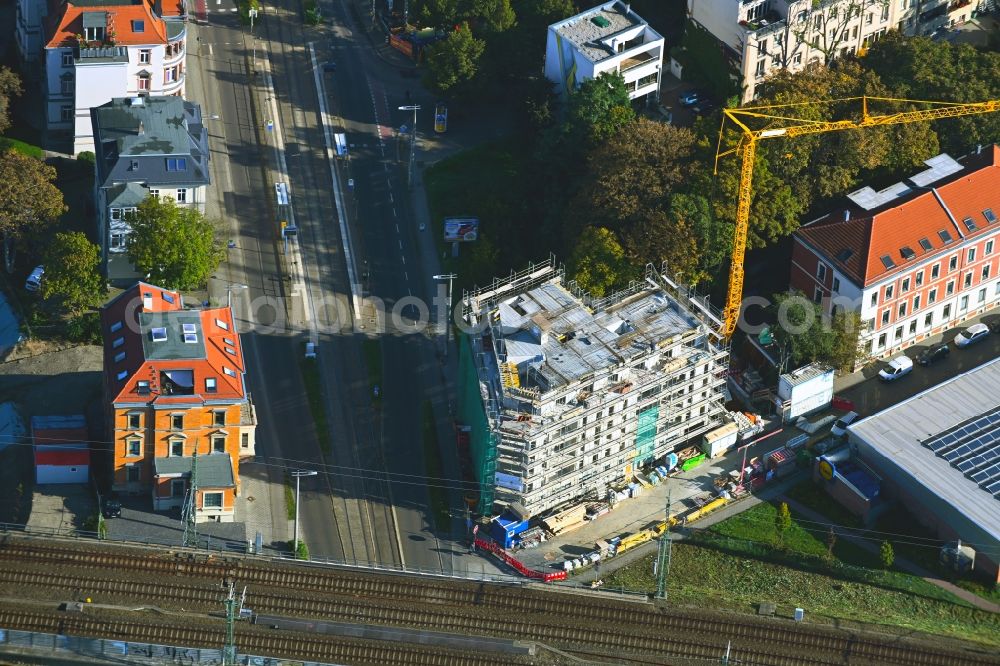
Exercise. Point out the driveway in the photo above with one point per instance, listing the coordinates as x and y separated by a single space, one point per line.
871 395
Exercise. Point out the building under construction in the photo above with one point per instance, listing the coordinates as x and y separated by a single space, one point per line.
565 396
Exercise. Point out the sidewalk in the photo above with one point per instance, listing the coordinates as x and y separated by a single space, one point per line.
901 562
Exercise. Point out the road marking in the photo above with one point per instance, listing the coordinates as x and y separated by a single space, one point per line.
394 211
407 276
391 200
400 244
234 10
402 256
397 228
210 50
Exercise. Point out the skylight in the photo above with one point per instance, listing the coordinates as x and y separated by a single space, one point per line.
221 324
229 371
969 224
230 350
887 261
907 252
159 334
926 244
122 375
990 215
142 387
119 357
945 236
117 326
210 385
138 25
190 338
845 254
167 297
189 328
118 342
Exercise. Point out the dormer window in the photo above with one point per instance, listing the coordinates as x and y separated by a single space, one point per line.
142 387
94 34
229 371
211 385
115 327
176 164
138 25
221 324
230 351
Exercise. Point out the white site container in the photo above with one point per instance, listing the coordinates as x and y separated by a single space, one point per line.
716 442
805 390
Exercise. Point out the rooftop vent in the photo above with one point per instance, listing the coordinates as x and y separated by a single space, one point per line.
159 334
600 21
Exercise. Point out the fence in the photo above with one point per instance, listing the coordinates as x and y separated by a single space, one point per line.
495 548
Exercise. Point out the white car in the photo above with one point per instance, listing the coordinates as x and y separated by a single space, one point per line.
974 333
839 428
896 368
34 281
310 350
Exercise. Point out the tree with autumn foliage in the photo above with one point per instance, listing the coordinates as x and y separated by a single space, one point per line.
29 199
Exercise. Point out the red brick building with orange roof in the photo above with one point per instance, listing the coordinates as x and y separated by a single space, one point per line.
915 258
97 50
176 401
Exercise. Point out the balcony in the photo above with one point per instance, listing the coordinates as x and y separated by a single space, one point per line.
637 60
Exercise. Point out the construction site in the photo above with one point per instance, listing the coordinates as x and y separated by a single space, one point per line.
567 398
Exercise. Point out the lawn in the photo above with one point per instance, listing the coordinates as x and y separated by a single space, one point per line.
735 565
21 147
314 392
432 462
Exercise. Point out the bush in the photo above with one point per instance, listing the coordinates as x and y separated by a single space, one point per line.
85 328
886 555
313 16
302 552
86 156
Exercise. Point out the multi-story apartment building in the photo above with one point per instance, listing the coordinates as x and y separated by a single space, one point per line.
176 402
566 395
146 146
913 259
760 37
607 38
97 50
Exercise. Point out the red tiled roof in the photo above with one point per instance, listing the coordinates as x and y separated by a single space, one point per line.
217 360
65 457
856 246
172 8
67 22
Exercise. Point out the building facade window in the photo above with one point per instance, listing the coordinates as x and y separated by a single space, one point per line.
134 421
133 447
182 195
142 82
177 487
211 500
117 240
888 292
928 320
176 447
881 341
219 417
918 279
177 422
885 317
968 279
145 56
218 444
132 473
963 303
821 272
67 58
946 311
66 113
952 263
836 284
905 286
981 298
66 85
949 288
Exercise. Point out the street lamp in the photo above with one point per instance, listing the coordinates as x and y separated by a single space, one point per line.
229 291
253 38
298 474
447 331
413 140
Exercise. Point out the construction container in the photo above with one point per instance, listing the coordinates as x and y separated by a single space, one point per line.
716 442
505 528
805 390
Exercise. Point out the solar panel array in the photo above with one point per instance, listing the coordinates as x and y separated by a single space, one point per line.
973 448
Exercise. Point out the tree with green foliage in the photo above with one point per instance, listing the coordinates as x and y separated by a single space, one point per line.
453 62
72 271
174 245
435 13
494 15
713 238
10 86
782 521
29 199
598 262
800 332
886 555
846 350
599 108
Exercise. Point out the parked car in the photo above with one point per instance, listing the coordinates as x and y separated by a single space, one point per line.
933 353
310 350
839 428
111 506
329 66
691 97
974 333
34 281
896 368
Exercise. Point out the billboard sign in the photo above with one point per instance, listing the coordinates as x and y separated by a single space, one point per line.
462 229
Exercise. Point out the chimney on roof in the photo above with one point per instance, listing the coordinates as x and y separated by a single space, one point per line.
847 215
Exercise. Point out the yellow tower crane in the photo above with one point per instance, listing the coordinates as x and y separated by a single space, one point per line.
775 121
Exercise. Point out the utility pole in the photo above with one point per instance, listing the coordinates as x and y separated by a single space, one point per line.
232 610
447 324
253 38
663 557
413 141
188 514
298 474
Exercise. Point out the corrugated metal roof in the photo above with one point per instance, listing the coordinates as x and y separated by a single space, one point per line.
898 434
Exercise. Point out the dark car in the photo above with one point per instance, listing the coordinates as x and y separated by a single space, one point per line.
111 507
329 66
933 353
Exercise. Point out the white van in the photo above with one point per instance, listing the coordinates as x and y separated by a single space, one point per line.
34 281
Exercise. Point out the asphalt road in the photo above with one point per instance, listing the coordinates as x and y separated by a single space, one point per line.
871 395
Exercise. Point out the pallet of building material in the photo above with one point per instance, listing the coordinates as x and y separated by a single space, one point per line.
566 520
597 509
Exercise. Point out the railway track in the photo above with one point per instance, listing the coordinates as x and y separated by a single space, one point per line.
445 606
